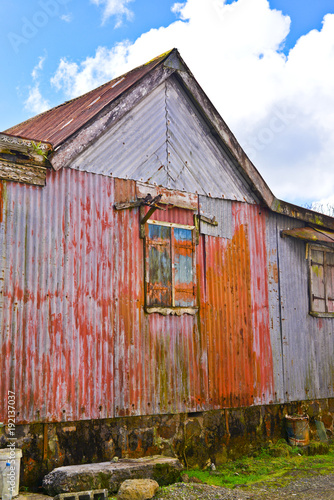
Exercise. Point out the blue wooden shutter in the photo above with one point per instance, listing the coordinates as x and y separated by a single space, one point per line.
183 267
159 266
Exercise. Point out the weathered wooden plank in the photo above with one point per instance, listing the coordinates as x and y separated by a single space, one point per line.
21 173
130 204
301 213
209 219
24 151
169 197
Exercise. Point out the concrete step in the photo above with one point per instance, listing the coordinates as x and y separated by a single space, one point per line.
110 475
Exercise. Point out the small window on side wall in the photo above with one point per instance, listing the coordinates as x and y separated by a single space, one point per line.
170 279
321 261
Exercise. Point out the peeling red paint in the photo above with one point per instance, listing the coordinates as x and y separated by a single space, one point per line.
1 200
225 320
74 321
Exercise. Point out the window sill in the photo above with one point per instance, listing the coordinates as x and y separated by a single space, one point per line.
172 311
321 314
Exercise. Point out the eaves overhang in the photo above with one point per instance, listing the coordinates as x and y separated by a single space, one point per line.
304 214
23 160
310 234
62 122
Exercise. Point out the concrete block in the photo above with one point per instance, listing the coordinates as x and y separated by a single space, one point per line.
110 475
84 495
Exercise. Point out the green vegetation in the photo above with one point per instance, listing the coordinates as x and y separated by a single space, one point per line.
38 150
276 465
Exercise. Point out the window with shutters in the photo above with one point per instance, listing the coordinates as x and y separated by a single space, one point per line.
170 268
321 261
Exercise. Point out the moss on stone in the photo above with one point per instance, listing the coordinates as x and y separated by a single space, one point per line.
280 449
165 475
317 448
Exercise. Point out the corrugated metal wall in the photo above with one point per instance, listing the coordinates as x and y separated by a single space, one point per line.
56 297
178 369
75 340
221 210
274 306
308 342
234 312
195 160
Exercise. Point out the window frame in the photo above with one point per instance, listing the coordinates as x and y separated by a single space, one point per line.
326 277
170 309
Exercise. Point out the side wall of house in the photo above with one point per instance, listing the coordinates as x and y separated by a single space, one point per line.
76 343
72 310
77 346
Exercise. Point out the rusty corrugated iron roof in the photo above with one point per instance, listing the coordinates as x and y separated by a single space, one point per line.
310 234
59 123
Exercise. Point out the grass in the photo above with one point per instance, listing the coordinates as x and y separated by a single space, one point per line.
268 468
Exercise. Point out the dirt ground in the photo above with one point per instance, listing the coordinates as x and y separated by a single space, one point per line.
311 487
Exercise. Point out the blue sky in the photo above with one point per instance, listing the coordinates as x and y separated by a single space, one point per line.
265 65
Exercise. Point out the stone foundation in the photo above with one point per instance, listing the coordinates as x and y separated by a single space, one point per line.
194 438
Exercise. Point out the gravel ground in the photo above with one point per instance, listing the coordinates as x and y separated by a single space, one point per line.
312 487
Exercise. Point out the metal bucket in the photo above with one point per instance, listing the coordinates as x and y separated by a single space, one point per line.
298 430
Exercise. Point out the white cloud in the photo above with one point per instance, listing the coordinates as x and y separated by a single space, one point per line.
115 8
35 102
67 18
281 108
77 79
38 67
178 7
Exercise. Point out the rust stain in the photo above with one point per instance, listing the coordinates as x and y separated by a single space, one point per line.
273 272
1 200
74 317
234 313
125 191
175 215
226 319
